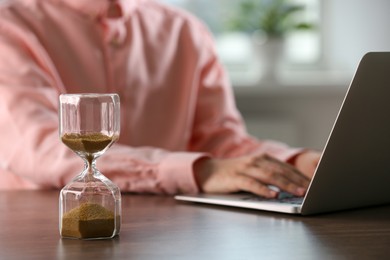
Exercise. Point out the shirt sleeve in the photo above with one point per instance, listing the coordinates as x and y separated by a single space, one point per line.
219 127
30 148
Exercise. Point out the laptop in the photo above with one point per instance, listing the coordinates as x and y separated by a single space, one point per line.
354 169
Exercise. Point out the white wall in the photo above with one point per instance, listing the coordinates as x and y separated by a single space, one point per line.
352 28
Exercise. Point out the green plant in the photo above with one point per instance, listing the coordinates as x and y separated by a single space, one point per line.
273 17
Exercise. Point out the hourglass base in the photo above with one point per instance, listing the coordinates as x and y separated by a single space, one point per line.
90 208
90 221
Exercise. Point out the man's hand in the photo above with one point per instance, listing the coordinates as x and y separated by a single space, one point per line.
255 173
307 162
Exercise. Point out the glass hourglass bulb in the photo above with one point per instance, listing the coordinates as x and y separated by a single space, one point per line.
90 205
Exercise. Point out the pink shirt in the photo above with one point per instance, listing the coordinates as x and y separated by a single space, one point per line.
177 104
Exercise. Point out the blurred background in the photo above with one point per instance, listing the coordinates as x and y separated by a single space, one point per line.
291 61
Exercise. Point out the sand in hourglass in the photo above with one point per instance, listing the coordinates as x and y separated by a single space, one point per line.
87 143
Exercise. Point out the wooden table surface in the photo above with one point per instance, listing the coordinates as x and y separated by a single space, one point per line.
158 227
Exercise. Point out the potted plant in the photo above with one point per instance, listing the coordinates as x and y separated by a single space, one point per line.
274 18
268 22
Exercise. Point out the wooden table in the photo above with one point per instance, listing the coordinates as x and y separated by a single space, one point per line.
158 227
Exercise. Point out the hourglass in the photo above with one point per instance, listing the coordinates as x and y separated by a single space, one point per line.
90 205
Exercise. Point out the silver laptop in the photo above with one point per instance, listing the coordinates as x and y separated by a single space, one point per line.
354 170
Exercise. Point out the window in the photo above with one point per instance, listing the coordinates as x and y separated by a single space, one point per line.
235 47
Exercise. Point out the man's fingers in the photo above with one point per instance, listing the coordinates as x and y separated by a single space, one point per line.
270 171
289 171
249 184
275 179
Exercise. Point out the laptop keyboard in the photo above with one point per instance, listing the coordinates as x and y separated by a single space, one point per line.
283 197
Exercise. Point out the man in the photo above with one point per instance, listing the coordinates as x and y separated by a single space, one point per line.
180 129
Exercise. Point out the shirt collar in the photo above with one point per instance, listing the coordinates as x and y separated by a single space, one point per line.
99 8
